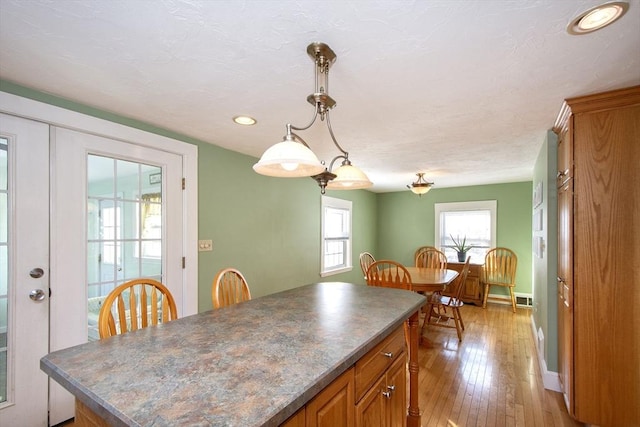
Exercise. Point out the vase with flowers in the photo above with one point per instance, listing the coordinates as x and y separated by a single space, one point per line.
461 247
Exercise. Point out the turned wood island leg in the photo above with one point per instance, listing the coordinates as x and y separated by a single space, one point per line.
413 417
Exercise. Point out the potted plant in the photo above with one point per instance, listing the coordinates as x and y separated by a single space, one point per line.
461 247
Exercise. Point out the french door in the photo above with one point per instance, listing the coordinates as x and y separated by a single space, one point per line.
24 270
85 204
117 216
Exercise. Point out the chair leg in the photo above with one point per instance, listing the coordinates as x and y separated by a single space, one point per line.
457 309
427 317
513 298
486 294
457 320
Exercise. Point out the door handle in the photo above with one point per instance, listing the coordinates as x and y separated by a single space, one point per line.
36 295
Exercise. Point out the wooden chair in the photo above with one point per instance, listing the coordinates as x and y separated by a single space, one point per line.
366 259
437 304
499 269
388 274
422 248
135 305
229 287
430 257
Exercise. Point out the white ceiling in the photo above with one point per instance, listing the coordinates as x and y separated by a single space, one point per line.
462 90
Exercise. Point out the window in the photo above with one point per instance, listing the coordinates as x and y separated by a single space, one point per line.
151 226
336 236
475 221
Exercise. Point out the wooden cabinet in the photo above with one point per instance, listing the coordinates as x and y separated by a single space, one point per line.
335 405
297 420
598 274
373 393
472 292
565 291
384 405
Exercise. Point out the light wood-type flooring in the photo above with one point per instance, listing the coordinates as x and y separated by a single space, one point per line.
492 378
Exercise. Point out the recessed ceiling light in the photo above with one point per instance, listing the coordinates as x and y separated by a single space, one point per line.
597 17
245 120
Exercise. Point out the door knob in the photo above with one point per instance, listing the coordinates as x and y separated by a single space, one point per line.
36 273
36 294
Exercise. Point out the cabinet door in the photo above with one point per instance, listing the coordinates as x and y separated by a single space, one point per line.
370 411
565 292
385 404
397 402
565 153
335 405
471 290
296 420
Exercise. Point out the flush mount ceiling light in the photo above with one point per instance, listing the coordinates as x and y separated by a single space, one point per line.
421 186
293 158
245 120
597 17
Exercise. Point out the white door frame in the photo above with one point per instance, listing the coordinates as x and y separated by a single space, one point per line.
35 110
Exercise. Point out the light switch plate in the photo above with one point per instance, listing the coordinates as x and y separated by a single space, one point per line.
205 245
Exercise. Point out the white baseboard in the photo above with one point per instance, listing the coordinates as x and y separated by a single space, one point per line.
550 379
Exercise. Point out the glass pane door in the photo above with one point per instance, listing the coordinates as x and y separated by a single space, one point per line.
124 227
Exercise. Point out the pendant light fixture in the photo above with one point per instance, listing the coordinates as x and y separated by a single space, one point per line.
421 186
293 158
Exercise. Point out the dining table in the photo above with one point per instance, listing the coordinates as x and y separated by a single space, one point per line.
430 280
427 281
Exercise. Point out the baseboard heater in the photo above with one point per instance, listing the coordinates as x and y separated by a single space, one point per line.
525 301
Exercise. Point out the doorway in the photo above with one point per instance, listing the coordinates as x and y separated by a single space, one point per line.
94 238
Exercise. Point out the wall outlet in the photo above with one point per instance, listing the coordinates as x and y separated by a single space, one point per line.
205 245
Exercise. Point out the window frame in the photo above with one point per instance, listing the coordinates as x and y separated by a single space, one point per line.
341 204
490 205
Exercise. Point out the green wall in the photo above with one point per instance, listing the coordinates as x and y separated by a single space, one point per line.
406 221
545 273
269 228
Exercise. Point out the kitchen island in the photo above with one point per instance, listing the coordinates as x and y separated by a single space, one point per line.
255 363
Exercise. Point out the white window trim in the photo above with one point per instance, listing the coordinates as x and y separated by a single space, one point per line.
332 202
491 205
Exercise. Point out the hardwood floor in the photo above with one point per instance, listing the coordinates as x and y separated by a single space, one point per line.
492 378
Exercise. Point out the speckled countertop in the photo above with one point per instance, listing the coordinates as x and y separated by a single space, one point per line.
251 364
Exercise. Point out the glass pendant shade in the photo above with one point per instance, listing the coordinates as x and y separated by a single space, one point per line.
349 177
293 158
288 159
421 189
421 186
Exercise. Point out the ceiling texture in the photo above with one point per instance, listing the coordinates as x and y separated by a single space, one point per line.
461 90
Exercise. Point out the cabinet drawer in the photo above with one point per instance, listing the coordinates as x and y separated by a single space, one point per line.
373 364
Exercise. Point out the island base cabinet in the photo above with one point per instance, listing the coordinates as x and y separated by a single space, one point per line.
372 393
335 405
385 404
85 417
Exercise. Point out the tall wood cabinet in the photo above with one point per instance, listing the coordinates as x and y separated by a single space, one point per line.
599 257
